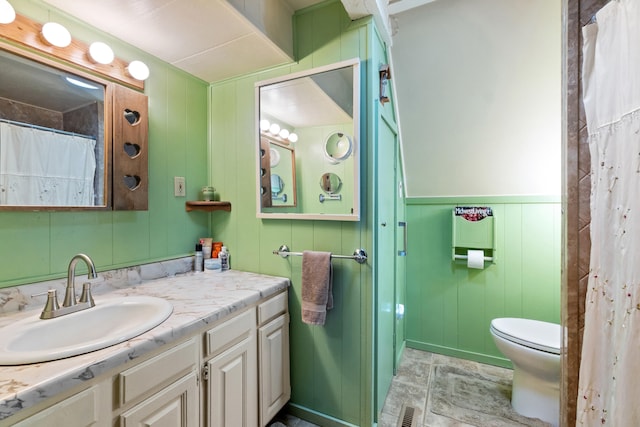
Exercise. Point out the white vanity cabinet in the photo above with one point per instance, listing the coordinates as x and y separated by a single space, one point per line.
248 366
234 374
273 353
232 395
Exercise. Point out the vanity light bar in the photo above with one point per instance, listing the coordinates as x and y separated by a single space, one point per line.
275 132
278 139
22 30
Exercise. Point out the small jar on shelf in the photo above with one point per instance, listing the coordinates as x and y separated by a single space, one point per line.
208 193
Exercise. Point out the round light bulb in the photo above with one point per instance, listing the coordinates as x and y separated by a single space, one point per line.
101 53
284 133
293 137
138 70
7 12
274 129
56 35
264 125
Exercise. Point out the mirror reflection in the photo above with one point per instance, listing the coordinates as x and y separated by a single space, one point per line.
314 114
337 147
278 168
330 183
52 136
277 186
277 189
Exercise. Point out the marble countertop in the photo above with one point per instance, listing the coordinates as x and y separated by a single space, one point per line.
198 300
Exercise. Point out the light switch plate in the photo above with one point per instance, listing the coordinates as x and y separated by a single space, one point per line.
179 189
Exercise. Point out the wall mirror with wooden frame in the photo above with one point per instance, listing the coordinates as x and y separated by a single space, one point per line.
317 107
278 174
53 136
69 139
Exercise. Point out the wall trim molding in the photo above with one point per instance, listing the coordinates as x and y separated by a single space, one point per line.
468 355
315 416
455 200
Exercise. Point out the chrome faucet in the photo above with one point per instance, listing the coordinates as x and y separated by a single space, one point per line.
70 304
70 293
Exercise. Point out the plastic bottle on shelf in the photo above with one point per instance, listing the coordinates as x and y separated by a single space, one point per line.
206 251
199 259
224 258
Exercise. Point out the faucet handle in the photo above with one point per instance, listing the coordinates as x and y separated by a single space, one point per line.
86 296
51 305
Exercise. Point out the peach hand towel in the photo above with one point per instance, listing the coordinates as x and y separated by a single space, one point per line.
316 287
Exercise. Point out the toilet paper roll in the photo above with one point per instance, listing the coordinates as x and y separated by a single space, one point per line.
475 258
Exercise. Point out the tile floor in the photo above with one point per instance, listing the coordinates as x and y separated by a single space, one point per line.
411 386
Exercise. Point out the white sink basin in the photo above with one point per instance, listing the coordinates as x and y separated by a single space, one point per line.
33 340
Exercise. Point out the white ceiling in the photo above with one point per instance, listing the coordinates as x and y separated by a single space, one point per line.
211 39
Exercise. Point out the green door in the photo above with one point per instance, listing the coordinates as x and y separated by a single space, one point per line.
401 261
385 258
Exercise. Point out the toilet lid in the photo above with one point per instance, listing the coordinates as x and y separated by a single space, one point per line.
543 336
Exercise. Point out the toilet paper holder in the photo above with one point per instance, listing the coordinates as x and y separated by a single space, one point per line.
474 228
465 257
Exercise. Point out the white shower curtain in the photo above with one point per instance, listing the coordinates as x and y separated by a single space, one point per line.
39 167
609 386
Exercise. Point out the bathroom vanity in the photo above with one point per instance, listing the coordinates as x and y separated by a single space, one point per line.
220 359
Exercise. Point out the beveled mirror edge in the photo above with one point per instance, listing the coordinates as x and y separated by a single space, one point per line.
355 215
23 52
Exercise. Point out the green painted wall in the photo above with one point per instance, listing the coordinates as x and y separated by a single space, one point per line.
450 307
480 86
331 366
35 246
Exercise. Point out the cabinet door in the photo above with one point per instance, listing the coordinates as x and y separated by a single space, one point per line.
275 387
130 165
233 386
175 406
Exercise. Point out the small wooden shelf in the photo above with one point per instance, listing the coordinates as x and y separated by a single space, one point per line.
198 205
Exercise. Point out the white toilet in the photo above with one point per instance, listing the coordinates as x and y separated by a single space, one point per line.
534 349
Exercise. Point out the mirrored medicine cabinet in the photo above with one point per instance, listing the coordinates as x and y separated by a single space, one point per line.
69 139
308 159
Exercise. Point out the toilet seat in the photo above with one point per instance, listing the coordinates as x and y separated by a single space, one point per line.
535 334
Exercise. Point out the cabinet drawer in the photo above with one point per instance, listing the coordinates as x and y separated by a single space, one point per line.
80 410
230 332
272 308
148 375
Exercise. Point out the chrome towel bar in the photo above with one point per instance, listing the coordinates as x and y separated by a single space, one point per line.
359 255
